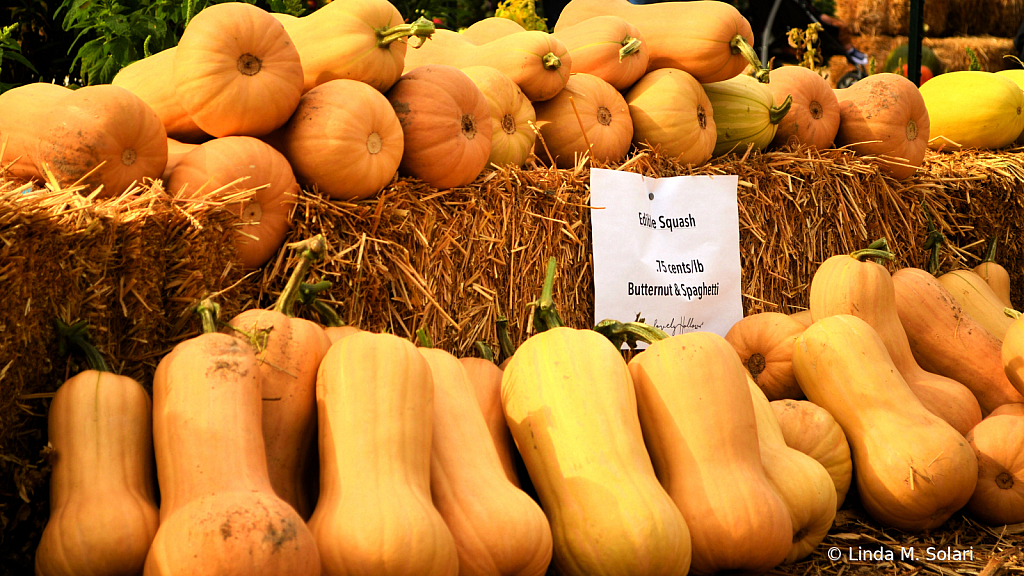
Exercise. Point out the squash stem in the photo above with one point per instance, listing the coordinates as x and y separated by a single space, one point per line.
308 297
208 311
630 46
777 113
739 45
933 241
1011 313
545 316
421 28
76 336
551 62
485 350
629 332
423 339
990 253
866 253
312 250
505 347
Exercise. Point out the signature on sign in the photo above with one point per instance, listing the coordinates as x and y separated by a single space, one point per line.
679 325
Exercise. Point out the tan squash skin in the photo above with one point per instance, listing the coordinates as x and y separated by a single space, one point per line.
711 466
672 113
998 280
19 132
946 340
803 317
175 152
764 343
1012 354
570 404
498 529
690 36
512 114
375 398
913 470
998 442
103 512
978 299
598 125
845 285
813 118
289 351
489 29
485 378
152 80
536 61
335 333
801 481
607 47
218 511
810 429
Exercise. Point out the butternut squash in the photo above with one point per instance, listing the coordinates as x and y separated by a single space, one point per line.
801 481
711 466
375 397
913 470
978 299
946 340
588 118
810 429
19 133
803 317
485 378
152 80
854 284
764 342
607 47
998 442
570 404
498 529
489 29
995 274
1012 354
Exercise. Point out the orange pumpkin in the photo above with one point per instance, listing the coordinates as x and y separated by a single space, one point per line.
152 79
589 117
19 130
511 115
102 135
813 117
236 71
998 441
345 138
238 163
884 116
764 343
607 47
446 123
672 114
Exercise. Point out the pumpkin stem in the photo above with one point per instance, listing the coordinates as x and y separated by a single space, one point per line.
629 332
874 253
777 113
739 46
423 339
77 336
545 316
308 297
990 253
1011 313
880 244
485 350
505 347
551 62
312 250
421 29
933 241
630 46
208 311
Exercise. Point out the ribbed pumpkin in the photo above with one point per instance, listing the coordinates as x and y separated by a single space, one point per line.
885 116
498 529
446 123
345 138
571 406
998 442
236 71
102 135
710 40
364 40
536 61
745 113
590 115
671 113
29 106
607 47
492 28
973 109
236 163
813 119
764 343
152 79
810 429
375 401
103 512
511 115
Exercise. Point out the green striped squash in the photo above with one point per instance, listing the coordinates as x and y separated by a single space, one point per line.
745 113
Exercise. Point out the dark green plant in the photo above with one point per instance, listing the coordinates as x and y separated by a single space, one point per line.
10 50
450 14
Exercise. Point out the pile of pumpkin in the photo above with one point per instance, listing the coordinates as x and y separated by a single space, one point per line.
350 95
284 447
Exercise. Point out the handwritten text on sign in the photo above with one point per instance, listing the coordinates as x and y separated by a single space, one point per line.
666 249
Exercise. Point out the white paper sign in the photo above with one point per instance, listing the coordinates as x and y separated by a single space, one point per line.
666 249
